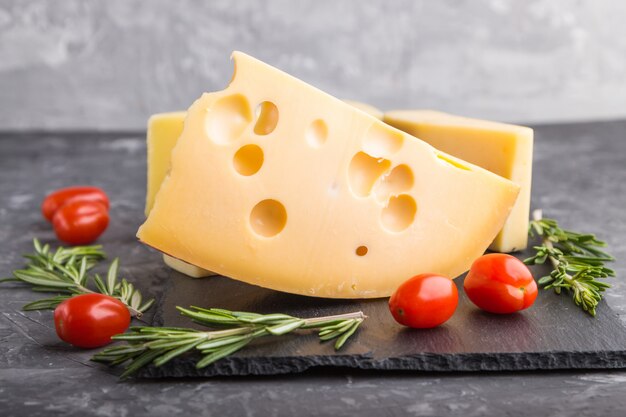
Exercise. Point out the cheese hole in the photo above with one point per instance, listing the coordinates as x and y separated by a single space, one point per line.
363 172
268 218
227 119
361 251
399 180
452 162
399 213
316 133
267 118
248 160
382 141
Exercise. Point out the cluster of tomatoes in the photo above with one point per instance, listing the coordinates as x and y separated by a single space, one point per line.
497 283
79 215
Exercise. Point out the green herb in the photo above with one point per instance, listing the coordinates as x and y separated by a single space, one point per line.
159 345
64 271
577 260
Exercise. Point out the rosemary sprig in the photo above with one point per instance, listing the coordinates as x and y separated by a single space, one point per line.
64 271
159 345
577 260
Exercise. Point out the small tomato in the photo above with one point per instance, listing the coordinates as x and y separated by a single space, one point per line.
80 222
500 283
58 198
424 301
89 320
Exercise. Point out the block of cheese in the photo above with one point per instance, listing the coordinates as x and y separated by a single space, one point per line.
163 132
278 184
504 149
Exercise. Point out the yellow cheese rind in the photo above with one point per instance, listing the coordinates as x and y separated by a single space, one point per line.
163 132
504 149
341 204
185 268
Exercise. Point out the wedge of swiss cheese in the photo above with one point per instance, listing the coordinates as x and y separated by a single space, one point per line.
278 184
504 149
163 132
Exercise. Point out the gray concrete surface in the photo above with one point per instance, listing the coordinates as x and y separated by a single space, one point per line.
107 65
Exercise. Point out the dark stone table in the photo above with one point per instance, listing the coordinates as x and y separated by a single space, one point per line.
579 178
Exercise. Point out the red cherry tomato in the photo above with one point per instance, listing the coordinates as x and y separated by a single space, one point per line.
424 301
80 222
89 320
58 198
500 283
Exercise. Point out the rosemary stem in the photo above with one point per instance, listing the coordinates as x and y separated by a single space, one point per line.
346 316
537 216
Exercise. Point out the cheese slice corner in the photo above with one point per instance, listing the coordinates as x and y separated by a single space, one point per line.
185 268
504 149
278 184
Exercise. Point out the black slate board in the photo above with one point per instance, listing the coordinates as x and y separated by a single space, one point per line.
553 334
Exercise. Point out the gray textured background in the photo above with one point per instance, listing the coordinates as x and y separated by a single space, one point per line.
107 65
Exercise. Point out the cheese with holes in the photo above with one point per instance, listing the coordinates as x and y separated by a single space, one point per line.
164 129
278 184
504 149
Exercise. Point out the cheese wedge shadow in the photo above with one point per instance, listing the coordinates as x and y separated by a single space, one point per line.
278 184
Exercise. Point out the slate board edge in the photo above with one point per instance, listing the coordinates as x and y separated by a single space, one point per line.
424 362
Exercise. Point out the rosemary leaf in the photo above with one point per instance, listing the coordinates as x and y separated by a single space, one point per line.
218 343
163 359
112 277
222 353
344 337
140 361
169 343
45 303
328 334
146 306
286 327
